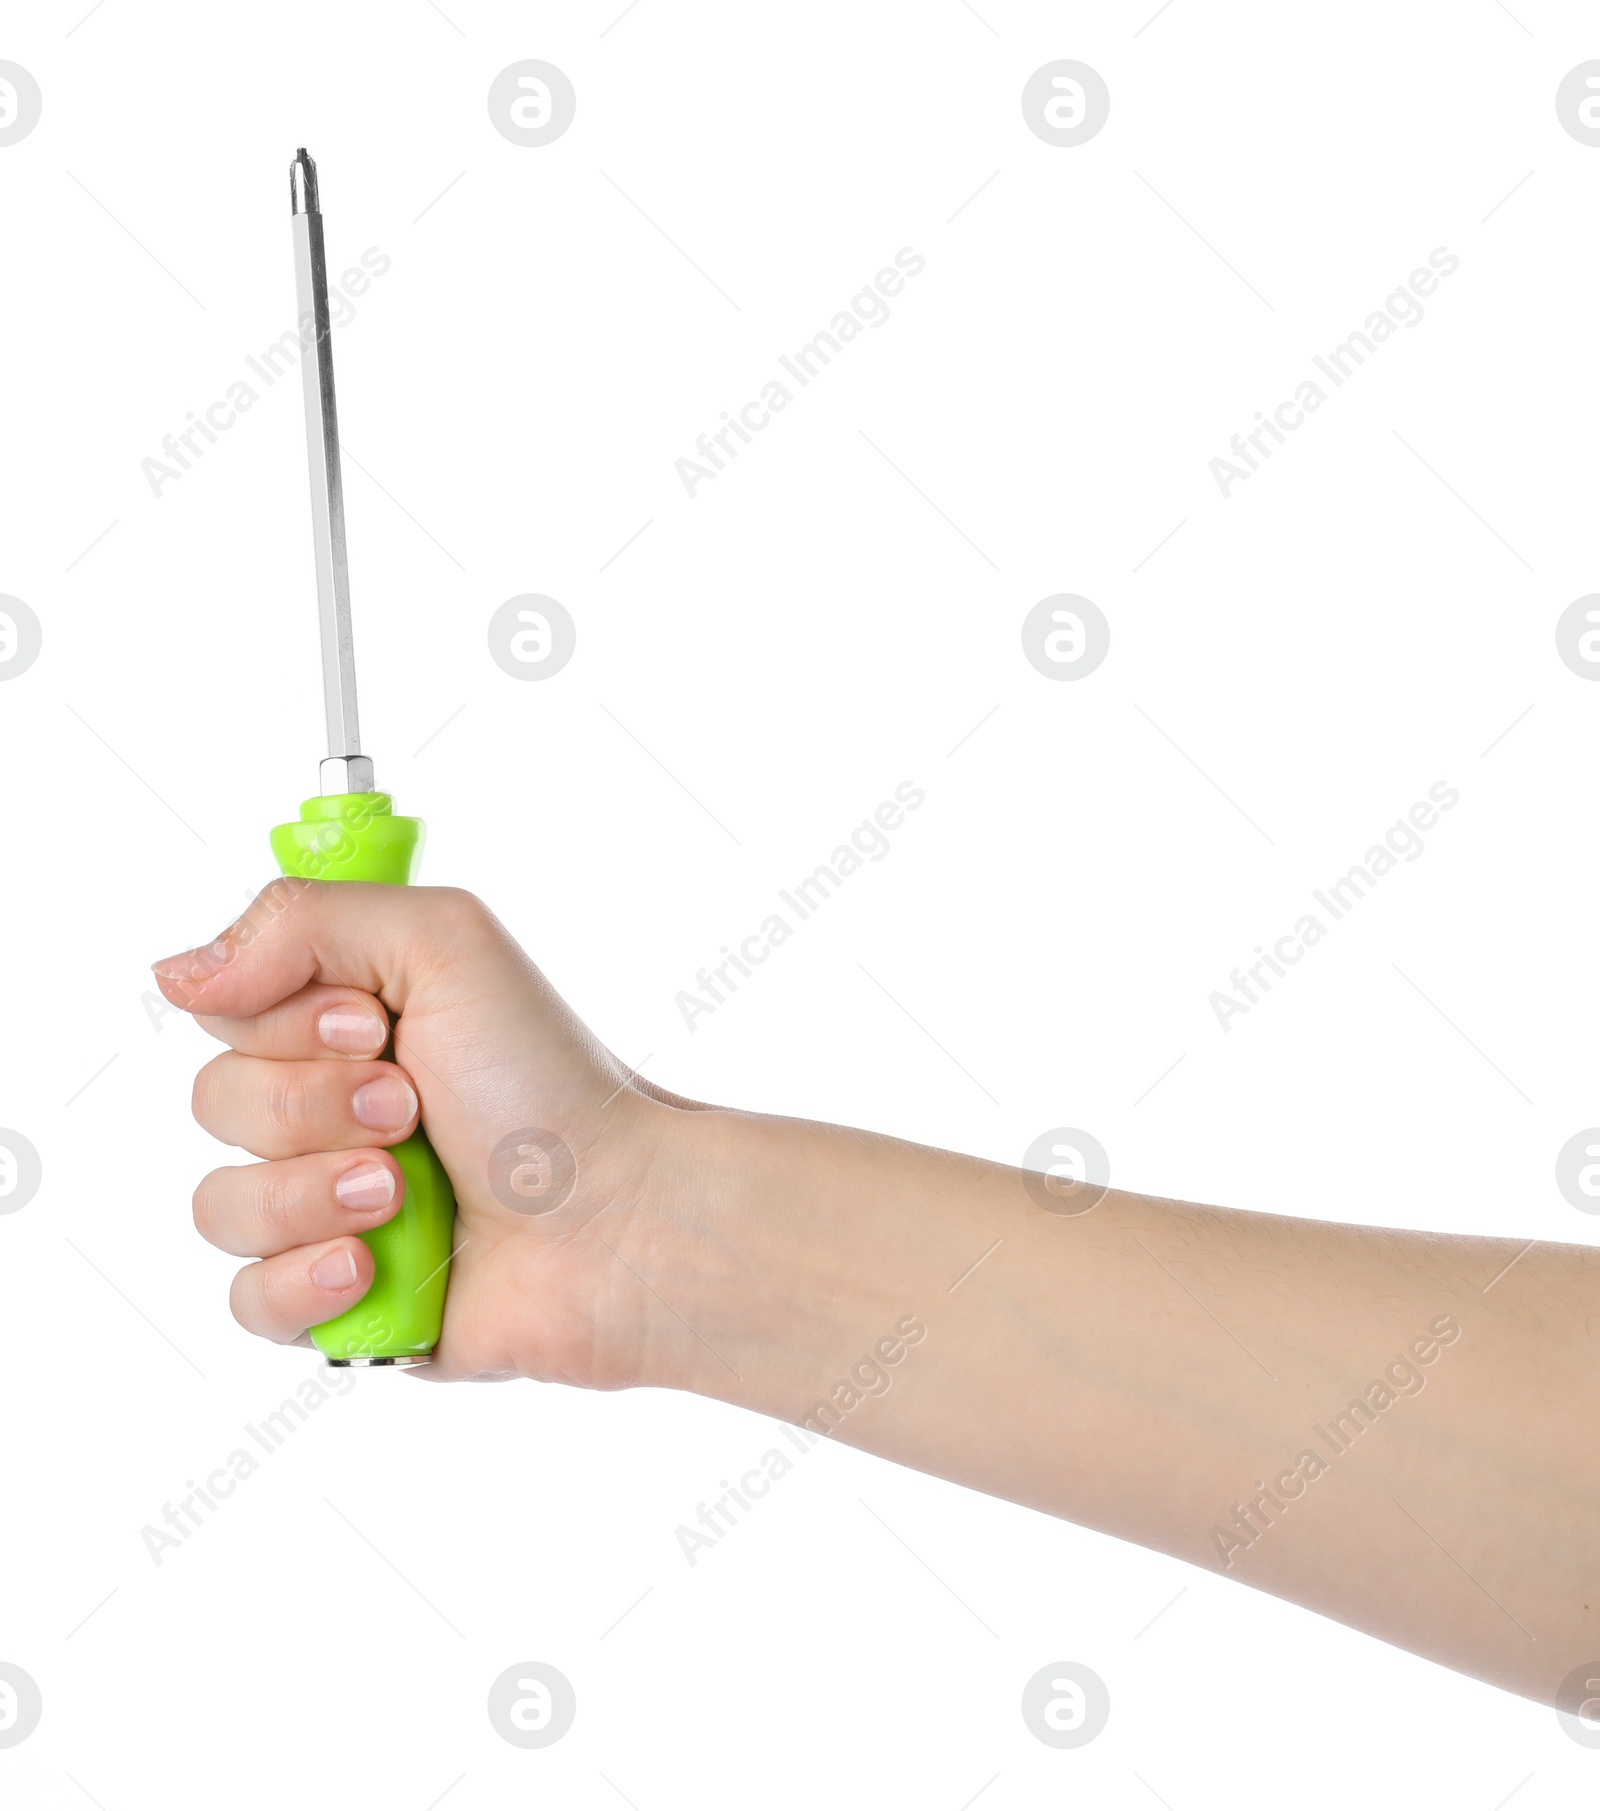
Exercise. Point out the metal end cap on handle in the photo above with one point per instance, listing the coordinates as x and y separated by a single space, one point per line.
303 184
363 1364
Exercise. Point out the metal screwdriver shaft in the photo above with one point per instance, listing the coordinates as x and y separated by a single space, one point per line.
346 768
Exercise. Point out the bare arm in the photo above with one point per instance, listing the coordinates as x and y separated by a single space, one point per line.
1387 1427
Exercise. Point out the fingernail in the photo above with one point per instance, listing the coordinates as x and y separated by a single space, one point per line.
367 1185
337 1270
352 1031
198 964
386 1104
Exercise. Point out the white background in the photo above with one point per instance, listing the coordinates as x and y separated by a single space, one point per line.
1294 667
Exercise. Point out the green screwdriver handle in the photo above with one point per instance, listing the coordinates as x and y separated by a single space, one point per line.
356 836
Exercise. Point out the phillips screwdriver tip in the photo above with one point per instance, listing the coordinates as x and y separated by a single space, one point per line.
303 184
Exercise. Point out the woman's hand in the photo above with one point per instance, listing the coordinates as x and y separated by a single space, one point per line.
300 990
1171 1374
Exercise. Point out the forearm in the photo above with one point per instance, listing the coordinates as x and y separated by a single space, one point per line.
1389 1428
1179 1376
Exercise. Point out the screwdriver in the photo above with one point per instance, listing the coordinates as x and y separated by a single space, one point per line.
350 832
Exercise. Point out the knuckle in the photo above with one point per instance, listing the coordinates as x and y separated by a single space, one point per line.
274 905
283 1102
272 1291
277 1200
268 1299
464 916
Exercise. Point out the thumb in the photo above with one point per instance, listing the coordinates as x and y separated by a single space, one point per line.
383 939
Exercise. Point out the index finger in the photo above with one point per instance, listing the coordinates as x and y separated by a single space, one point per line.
317 1021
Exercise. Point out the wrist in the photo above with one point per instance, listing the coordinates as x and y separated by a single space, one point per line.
797 1256
724 1234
